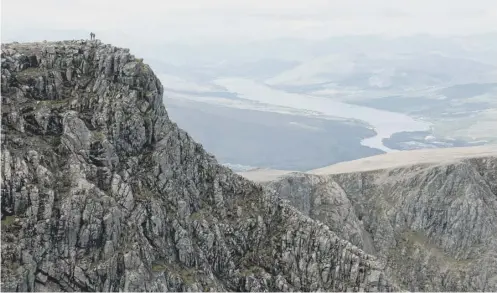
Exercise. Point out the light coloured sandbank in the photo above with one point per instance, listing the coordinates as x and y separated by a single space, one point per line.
384 161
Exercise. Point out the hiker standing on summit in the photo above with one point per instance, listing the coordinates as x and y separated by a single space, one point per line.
92 36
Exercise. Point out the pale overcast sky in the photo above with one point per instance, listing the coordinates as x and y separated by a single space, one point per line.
183 20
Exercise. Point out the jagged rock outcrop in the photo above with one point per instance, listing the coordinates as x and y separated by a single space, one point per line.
102 192
433 223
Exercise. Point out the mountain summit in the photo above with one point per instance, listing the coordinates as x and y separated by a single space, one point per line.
102 192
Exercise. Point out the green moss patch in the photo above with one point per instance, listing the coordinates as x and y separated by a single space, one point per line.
158 268
9 220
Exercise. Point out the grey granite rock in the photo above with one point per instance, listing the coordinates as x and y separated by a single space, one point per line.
102 192
434 225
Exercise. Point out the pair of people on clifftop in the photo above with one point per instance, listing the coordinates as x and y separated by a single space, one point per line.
92 36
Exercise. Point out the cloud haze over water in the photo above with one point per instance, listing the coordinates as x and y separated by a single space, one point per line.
228 20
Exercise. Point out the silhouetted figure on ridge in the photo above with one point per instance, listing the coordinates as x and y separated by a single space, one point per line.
92 36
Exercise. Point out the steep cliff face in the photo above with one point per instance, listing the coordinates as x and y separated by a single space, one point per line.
102 192
433 224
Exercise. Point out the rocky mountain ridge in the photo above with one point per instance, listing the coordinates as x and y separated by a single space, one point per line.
102 192
430 215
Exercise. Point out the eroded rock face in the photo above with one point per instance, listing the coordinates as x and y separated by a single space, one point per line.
102 192
434 225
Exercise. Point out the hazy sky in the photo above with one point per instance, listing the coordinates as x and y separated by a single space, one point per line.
199 20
